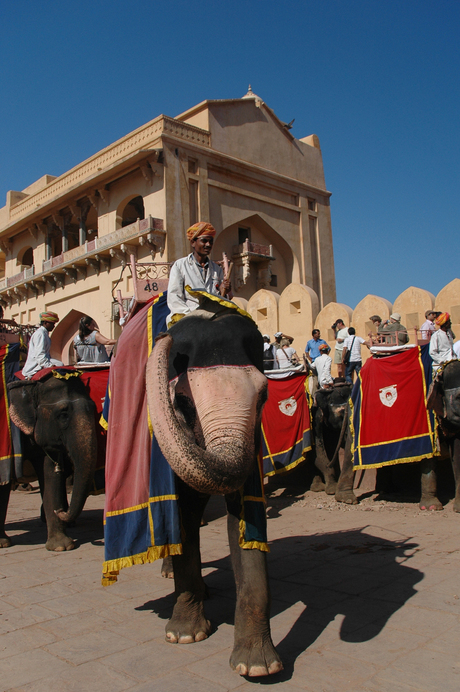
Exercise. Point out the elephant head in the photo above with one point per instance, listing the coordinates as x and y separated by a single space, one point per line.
333 404
206 391
451 391
59 415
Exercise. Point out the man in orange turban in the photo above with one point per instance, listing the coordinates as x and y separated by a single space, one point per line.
196 270
441 342
38 354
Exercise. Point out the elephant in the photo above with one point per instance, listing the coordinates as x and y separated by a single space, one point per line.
205 380
445 401
57 419
328 421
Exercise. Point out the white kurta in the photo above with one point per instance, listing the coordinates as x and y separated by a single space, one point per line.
322 365
38 355
186 272
441 347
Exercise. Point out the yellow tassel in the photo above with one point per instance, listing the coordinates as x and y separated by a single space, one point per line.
68 375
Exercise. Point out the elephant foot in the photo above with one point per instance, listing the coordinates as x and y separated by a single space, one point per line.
256 658
167 569
346 496
317 485
5 542
430 503
188 623
60 543
331 486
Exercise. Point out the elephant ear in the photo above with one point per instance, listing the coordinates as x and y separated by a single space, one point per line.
23 411
322 399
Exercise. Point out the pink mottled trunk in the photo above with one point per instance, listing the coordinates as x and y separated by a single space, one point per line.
218 454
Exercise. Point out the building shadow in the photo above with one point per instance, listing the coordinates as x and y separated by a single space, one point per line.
349 576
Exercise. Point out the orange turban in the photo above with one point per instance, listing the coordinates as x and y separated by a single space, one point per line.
200 228
442 319
49 317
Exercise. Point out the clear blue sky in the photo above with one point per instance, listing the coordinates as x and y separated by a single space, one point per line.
376 80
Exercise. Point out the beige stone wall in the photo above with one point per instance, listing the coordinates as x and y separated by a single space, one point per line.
297 310
263 308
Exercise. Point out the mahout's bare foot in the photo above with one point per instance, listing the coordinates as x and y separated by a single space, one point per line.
188 623
60 543
346 496
256 658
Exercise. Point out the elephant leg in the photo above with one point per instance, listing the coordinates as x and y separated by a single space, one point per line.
344 492
322 461
254 653
5 490
188 623
455 456
429 499
167 570
54 498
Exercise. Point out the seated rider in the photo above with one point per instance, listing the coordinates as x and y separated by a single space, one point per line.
38 355
89 343
196 270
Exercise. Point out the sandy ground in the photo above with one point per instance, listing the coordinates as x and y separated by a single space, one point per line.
364 598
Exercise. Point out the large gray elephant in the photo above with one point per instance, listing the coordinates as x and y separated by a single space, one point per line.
58 418
205 381
445 401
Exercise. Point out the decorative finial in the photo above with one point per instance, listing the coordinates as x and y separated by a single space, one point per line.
251 95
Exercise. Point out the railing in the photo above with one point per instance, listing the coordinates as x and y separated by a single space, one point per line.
252 248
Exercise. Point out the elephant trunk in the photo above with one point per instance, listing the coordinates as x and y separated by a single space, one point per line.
209 439
81 445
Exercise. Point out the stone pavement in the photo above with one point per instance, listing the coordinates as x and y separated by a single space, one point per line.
365 599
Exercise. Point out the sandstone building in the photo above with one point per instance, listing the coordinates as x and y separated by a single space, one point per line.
65 240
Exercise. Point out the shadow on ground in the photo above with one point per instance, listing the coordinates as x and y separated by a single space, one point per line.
354 576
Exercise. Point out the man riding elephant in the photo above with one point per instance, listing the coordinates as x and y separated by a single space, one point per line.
38 354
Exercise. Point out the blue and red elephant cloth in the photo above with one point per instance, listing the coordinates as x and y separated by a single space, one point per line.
390 422
142 518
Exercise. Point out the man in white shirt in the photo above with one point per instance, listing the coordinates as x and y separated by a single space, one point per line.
427 328
196 270
322 365
441 343
352 344
457 349
341 333
38 354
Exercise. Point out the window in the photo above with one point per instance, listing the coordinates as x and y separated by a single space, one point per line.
134 210
274 280
243 233
28 257
312 204
192 166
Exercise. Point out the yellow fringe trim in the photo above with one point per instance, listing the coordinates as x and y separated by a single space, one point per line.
68 375
103 423
111 568
222 301
406 460
290 467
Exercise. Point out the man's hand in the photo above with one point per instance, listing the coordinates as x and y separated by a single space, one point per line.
225 287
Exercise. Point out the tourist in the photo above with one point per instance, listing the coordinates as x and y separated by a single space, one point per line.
428 327
312 348
89 343
341 333
352 354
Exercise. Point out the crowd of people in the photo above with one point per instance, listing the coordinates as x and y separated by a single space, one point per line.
199 272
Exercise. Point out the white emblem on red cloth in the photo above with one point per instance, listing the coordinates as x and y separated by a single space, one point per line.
388 395
288 406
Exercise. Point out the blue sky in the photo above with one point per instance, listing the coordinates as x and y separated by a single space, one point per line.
377 81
